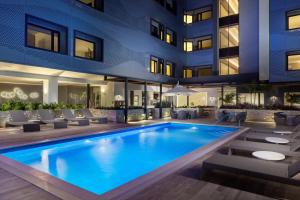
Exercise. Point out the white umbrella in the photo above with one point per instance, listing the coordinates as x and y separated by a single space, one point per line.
180 90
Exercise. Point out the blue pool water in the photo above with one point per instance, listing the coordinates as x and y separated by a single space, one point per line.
104 162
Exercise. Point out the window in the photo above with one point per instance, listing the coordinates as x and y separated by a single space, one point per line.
84 49
293 61
88 47
156 65
170 69
171 6
205 15
188 46
207 71
204 44
171 37
45 35
228 8
229 36
97 4
195 44
187 73
157 29
293 20
197 15
229 66
42 38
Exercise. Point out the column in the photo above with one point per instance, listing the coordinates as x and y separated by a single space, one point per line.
160 101
126 100
50 90
88 95
145 101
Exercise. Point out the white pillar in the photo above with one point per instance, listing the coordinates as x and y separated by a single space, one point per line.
50 90
264 40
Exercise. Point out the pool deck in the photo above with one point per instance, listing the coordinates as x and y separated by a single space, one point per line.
186 183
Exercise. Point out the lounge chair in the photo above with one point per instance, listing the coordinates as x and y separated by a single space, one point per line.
262 136
279 171
89 115
69 116
288 149
46 117
17 118
282 132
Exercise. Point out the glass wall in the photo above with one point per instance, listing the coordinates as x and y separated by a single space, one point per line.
229 36
228 7
229 66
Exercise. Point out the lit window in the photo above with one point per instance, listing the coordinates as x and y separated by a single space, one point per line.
156 65
157 29
88 47
168 38
187 73
84 49
188 46
170 69
197 15
205 44
293 20
229 66
204 71
42 38
200 43
229 36
188 19
228 7
171 37
293 62
97 4
44 35
206 15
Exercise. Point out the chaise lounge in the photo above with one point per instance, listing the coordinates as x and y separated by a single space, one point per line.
89 115
70 117
47 117
278 171
18 118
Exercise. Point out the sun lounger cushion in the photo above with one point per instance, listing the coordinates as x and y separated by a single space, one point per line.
239 163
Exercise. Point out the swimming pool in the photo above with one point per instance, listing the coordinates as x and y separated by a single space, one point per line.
103 162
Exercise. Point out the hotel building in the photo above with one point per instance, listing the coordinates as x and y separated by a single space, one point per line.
128 52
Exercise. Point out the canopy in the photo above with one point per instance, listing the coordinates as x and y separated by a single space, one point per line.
180 90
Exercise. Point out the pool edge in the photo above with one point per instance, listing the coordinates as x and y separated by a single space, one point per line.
66 190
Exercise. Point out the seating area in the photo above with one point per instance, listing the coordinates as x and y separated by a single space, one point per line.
272 155
282 118
189 113
58 119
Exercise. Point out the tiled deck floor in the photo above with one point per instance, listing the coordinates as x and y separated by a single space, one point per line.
188 183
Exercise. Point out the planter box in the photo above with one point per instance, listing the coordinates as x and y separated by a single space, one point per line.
260 115
118 115
166 112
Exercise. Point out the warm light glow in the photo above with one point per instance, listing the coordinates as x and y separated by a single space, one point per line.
188 46
294 22
168 38
294 62
168 70
188 19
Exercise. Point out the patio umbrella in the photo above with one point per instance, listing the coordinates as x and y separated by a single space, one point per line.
180 90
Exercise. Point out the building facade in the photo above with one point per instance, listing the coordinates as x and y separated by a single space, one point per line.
99 52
